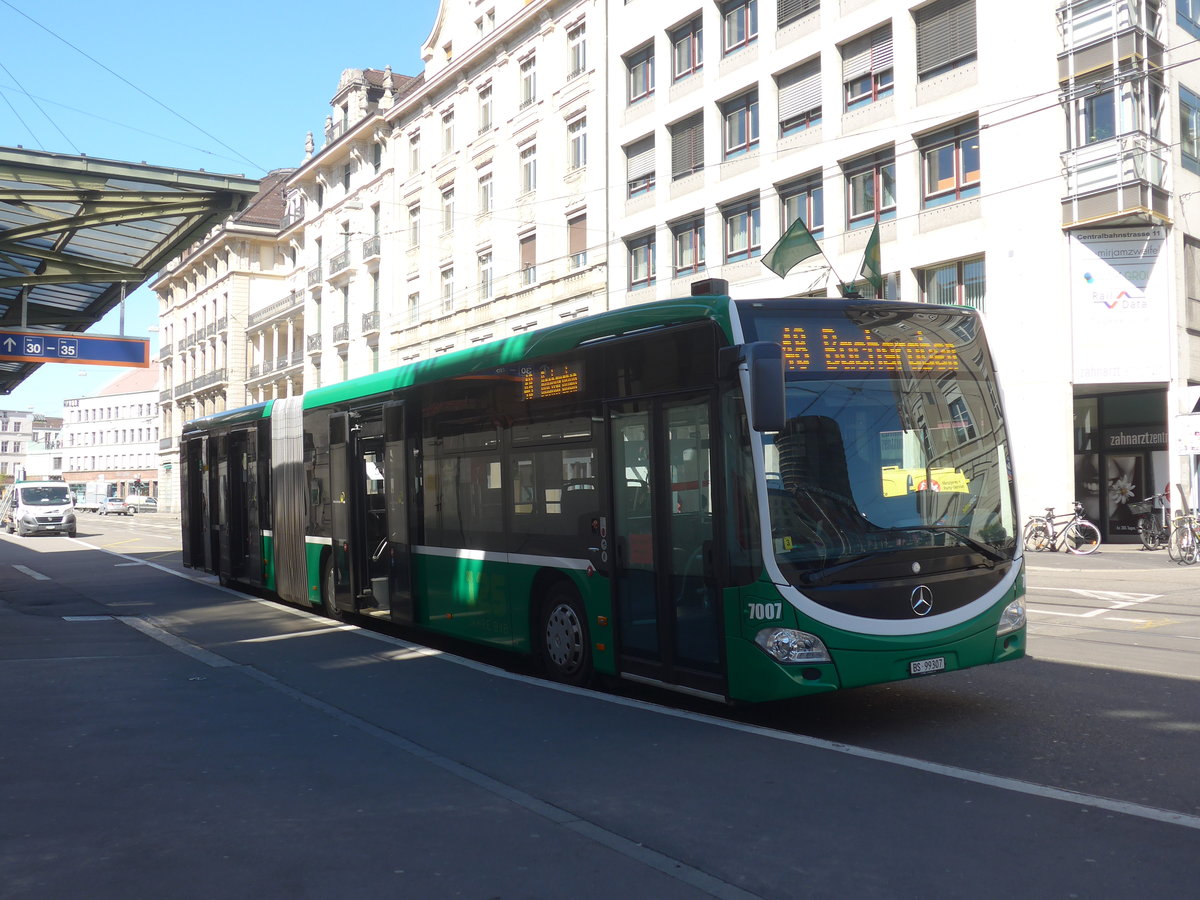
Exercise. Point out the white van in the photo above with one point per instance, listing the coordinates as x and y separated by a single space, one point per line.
38 507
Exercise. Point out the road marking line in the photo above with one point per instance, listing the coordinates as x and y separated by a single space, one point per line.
1000 782
38 576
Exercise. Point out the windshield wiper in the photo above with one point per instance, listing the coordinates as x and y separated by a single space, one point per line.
979 547
846 563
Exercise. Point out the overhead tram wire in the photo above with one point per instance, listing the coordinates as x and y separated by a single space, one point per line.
47 116
21 119
126 81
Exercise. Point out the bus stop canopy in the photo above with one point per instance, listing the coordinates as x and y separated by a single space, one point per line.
78 234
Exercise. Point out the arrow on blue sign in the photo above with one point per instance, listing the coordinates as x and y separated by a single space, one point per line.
74 347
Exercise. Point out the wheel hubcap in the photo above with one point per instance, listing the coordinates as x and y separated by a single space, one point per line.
564 637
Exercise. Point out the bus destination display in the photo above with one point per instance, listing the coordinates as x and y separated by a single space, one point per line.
864 352
543 382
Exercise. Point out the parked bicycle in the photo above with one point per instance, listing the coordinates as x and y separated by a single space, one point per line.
1068 530
1184 546
1154 523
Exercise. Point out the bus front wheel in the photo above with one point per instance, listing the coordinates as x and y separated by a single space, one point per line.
566 649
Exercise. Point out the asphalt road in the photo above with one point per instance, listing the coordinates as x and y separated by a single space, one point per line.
1071 772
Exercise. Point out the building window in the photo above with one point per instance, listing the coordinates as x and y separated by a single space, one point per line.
485 108
945 36
528 82
804 200
576 50
639 166
577 241
958 283
640 65
529 169
739 24
414 309
485 275
792 10
447 131
1187 14
527 252
950 164
687 247
871 189
414 154
376 156
741 124
447 281
485 193
687 56
687 146
414 225
641 261
347 171
448 209
577 143
867 68
1189 129
742 237
800 98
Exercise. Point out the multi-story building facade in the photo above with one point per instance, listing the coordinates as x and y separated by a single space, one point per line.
113 436
43 454
23 432
559 157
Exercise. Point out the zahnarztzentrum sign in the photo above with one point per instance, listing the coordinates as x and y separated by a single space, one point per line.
74 347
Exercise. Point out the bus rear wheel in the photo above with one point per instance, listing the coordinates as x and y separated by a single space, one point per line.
565 647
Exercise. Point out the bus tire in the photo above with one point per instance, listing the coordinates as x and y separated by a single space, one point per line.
329 593
562 636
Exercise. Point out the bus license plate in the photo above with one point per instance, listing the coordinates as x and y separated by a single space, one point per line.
927 666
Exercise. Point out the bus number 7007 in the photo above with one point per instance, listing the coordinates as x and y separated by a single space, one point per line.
766 610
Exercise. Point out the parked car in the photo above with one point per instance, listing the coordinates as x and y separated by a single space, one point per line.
141 504
114 506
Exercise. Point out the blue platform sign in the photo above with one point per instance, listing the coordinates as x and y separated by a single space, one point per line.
74 347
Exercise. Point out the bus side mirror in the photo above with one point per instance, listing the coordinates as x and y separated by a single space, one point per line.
767 407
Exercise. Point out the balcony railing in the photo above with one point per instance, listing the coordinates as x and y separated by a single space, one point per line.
370 322
254 371
339 262
164 396
166 443
313 344
371 247
314 276
1123 177
291 301
341 332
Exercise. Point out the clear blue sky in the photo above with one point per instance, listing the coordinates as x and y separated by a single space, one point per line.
225 86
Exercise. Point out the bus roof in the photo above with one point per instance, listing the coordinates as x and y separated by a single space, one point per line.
543 342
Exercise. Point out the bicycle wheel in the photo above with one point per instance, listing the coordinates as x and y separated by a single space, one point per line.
1175 541
1149 532
1081 537
1188 545
1036 536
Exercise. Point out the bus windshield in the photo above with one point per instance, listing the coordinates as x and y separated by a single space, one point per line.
894 449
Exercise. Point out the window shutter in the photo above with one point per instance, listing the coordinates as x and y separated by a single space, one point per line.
945 34
869 53
528 251
687 146
577 231
800 90
790 10
640 158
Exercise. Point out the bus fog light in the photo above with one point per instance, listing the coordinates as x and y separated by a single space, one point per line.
1012 618
786 645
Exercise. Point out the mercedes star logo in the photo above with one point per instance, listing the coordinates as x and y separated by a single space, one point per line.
922 600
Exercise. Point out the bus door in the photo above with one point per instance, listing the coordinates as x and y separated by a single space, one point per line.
214 509
194 514
364 512
244 530
666 601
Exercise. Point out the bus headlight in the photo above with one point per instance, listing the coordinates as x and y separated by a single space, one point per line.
1012 618
788 646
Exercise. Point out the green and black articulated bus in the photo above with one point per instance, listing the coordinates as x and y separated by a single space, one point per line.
743 500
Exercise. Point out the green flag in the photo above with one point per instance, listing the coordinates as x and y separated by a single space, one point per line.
871 269
796 245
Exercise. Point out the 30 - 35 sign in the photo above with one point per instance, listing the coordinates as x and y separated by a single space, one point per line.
74 347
